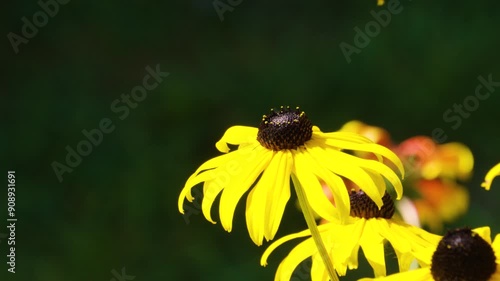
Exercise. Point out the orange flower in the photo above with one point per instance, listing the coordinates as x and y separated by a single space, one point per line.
432 160
441 201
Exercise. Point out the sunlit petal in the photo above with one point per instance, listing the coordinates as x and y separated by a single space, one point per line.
313 188
236 135
237 185
494 172
373 248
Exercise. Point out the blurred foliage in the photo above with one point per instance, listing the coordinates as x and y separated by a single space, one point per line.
118 207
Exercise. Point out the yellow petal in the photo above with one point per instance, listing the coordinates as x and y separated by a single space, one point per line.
318 270
348 170
496 247
254 214
279 194
279 242
495 171
236 135
197 178
213 163
238 184
403 241
407 238
186 191
312 187
373 248
369 147
375 167
344 137
379 168
395 236
210 191
345 241
484 232
405 260
334 183
296 256
260 202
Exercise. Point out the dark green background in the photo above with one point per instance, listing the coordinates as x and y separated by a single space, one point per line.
118 208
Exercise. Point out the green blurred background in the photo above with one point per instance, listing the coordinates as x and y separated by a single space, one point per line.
118 208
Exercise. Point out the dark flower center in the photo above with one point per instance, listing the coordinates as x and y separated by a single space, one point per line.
363 206
463 255
286 129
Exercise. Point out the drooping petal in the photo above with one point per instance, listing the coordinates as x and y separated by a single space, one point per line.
345 241
279 242
334 183
186 191
279 195
254 214
405 260
379 181
213 163
210 191
374 167
369 147
378 168
312 187
197 178
400 241
238 184
495 171
395 236
345 136
373 248
318 269
401 235
296 256
349 171
236 135
263 209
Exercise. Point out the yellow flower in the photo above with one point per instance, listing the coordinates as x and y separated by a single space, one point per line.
285 144
368 228
462 254
495 171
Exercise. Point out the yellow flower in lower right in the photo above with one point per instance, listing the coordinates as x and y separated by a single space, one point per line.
462 254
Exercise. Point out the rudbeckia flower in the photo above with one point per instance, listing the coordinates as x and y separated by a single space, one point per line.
494 172
462 254
369 227
286 145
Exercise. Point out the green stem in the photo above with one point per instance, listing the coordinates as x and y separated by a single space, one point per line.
311 223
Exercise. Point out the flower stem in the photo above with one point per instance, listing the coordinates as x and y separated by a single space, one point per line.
311 224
